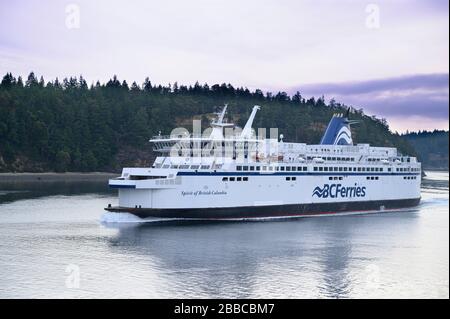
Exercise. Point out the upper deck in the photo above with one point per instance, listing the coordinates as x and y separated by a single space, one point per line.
219 151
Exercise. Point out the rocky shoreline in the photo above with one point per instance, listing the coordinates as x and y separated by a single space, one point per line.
56 177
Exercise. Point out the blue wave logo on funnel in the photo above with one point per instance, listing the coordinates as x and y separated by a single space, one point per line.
338 131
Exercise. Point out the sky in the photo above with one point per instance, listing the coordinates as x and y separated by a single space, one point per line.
390 58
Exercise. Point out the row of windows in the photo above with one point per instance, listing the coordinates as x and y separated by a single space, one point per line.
332 158
407 169
235 179
374 159
326 150
271 168
348 169
335 178
315 168
293 178
216 166
321 169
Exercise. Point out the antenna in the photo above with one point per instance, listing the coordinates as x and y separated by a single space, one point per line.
246 132
348 113
222 114
218 124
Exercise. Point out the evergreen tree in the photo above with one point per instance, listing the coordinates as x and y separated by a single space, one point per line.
32 80
8 81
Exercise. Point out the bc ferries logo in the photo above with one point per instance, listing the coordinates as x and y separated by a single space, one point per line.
337 190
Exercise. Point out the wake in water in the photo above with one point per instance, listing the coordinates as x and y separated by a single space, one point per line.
110 218
127 218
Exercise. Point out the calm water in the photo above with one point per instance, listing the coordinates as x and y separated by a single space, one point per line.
51 235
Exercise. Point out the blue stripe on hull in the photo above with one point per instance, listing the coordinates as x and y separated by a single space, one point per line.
122 186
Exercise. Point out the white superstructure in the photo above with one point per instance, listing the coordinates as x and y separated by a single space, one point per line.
240 175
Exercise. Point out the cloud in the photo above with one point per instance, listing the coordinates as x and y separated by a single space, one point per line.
419 97
411 82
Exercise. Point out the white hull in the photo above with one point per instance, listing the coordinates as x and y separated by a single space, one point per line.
207 191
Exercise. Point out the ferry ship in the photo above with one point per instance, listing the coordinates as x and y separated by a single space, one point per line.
238 175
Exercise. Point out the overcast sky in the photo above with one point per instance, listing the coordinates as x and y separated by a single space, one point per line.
389 58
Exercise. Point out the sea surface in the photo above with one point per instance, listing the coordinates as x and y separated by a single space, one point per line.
57 242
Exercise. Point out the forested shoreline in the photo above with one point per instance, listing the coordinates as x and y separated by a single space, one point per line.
432 148
69 125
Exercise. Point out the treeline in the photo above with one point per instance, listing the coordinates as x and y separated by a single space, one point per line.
432 147
70 126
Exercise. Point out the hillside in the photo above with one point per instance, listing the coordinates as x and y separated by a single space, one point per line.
69 126
431 147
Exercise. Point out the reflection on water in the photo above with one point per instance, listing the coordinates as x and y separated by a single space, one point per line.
11 191
403 254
